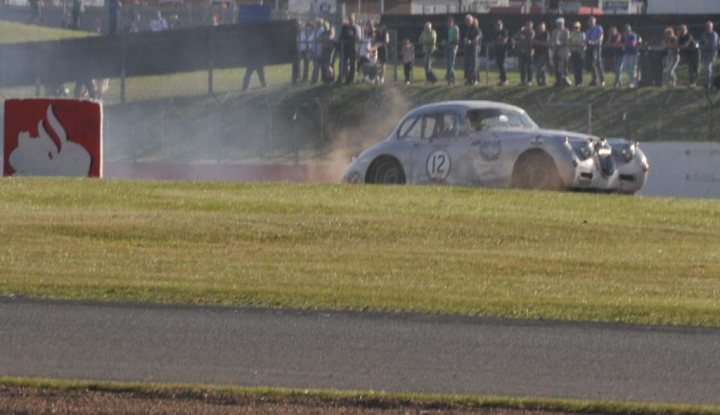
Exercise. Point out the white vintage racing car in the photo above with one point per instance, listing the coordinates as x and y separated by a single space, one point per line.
491 144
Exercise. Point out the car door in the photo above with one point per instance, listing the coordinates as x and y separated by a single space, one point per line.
493 132
436 155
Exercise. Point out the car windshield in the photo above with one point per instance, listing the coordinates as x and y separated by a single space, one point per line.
497 119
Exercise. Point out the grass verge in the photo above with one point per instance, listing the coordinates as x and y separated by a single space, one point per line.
420 249
364 399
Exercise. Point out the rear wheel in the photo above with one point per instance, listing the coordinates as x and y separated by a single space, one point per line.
385 170
536 170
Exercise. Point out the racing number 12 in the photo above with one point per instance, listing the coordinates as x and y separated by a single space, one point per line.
438 165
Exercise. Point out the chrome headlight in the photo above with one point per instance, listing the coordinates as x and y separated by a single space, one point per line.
629 151
585 151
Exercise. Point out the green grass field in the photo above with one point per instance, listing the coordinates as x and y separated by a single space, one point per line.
11 32
371 400
427 249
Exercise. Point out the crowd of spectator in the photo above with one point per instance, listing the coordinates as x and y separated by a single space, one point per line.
355 49
572 53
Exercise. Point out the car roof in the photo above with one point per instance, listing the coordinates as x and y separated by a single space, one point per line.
464 105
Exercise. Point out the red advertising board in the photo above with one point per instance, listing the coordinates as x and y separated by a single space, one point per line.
53 137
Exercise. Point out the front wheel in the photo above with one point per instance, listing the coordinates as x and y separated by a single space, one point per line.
385 170
536 170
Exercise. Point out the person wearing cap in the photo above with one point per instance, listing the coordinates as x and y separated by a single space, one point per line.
593 54
559 42
577 52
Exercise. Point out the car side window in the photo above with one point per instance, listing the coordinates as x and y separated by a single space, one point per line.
440 125
411 129
494 119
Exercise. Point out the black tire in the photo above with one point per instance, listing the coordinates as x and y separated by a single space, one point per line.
385 170
536 170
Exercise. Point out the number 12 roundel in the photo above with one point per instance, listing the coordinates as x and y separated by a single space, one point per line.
438 165
53 137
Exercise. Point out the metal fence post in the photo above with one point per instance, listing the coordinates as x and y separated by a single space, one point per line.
711 116
123 71
589 117
211 64
394 51
487 65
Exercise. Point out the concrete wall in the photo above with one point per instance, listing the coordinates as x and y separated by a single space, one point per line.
683 169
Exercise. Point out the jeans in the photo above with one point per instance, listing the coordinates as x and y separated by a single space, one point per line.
407 69
471 64
707 61
525 62
429 74
692 63
629 63
450 54
89 84
576 59
542 67
560 63
254 67
316 70
671 63
500 61
305 58
348 61
593 57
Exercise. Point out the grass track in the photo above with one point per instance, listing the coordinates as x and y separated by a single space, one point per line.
426 249
366 399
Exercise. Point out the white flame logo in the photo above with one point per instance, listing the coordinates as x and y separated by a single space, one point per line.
43 156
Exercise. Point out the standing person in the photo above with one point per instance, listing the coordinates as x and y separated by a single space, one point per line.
89 85
133 25
305 48
78 8
451 48
631 46
471 46
708 51
368 57
614 44
158 24
542 54
327 53
500 46
317 49
382 39
34 10
577 52
672 56
689 54
559 42
524 47
250 14
428 41
349 37
114 7
593 54
408 58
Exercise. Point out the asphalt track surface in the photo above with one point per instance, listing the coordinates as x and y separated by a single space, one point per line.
358 351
